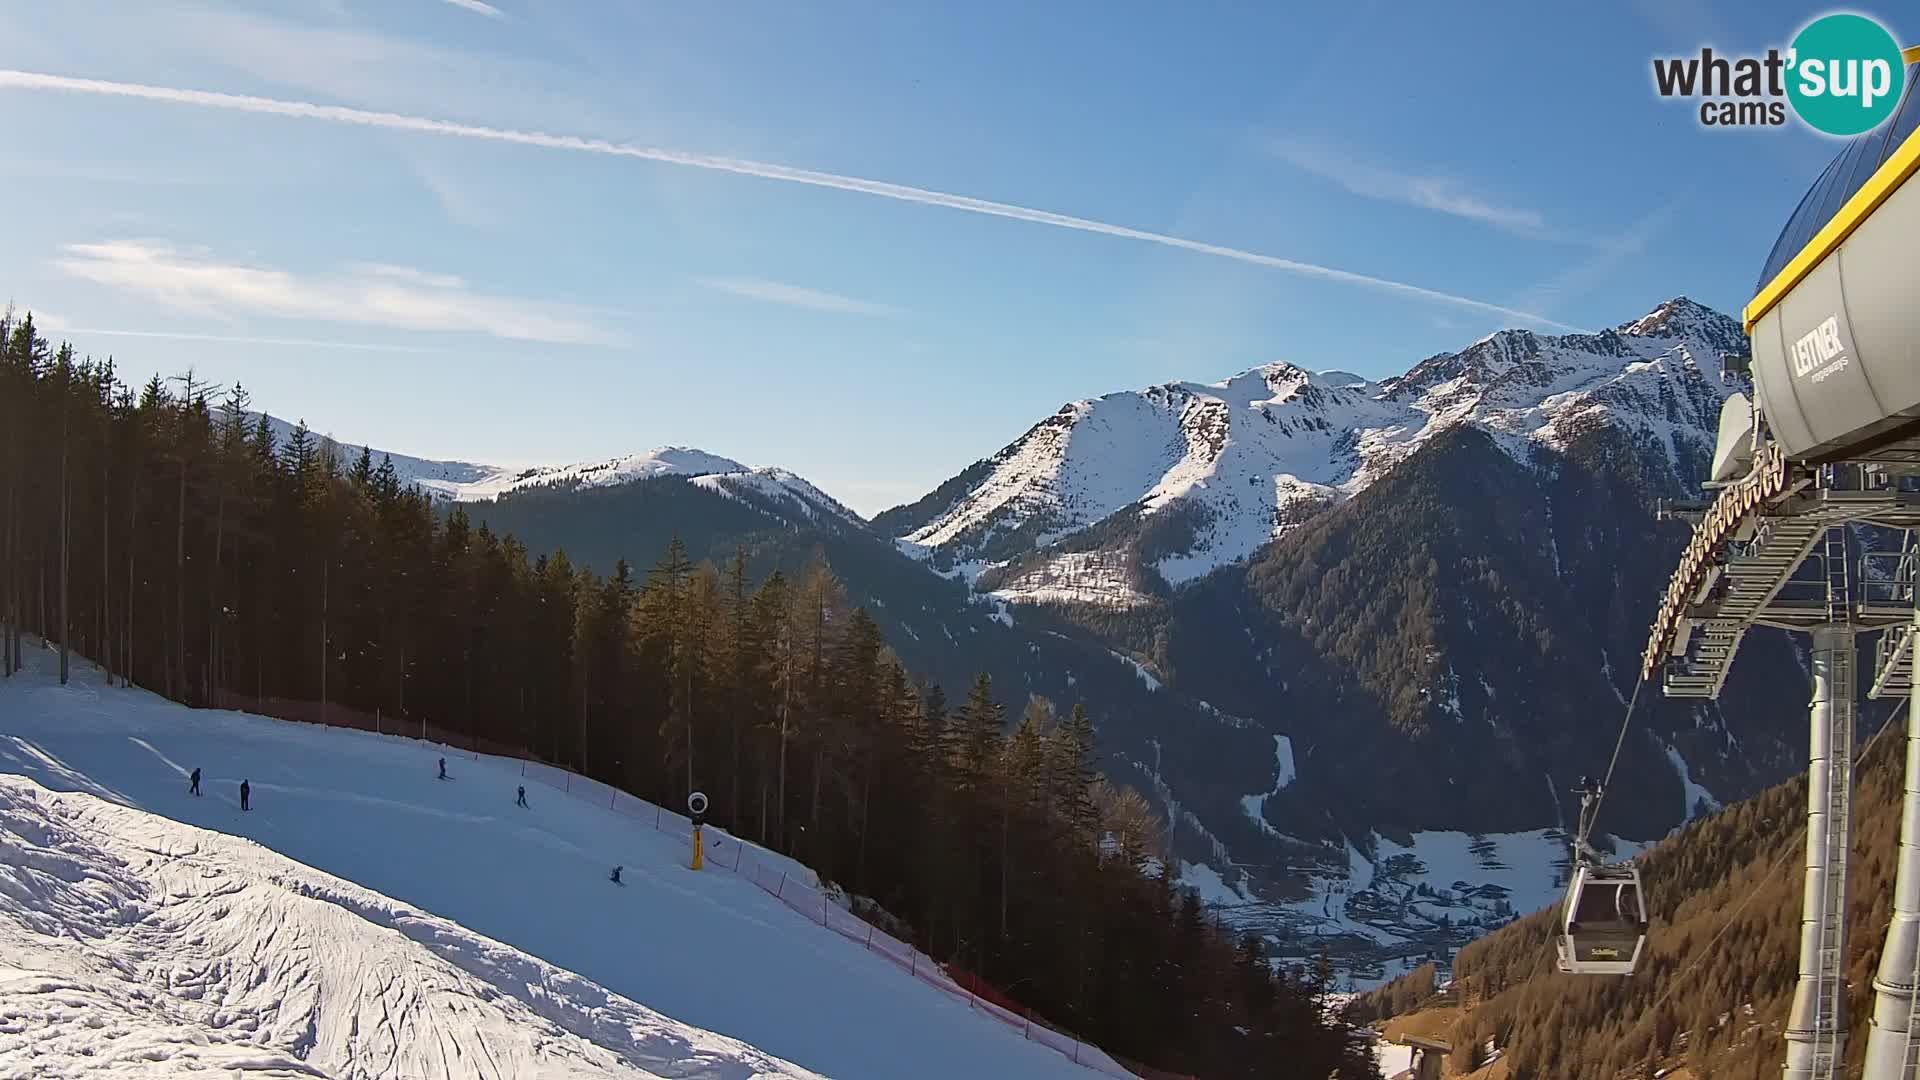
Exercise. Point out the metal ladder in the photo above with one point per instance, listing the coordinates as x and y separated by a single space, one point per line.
1893 664
1832 961
1839 596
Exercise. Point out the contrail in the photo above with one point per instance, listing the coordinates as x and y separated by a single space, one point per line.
29 80
480 7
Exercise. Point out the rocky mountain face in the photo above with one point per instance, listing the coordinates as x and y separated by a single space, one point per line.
1115 500
1356 640
1411 610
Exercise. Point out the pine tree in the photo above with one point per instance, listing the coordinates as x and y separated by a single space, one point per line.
63 364
665 614
982 720
734 662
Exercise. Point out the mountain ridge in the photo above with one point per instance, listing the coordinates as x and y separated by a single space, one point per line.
1235 463
451 481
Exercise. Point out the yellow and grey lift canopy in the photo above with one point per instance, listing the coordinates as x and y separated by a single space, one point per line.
1835 325
1835 328
1831 441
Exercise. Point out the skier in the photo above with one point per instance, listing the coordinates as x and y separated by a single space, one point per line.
194 787
443 768
616 875
244 789
521 799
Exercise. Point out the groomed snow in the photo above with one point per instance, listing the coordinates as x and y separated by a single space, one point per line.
710 951
131 945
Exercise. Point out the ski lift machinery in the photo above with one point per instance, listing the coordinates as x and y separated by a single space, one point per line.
1836 385
1828 442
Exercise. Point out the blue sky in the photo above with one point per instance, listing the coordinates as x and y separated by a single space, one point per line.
530 301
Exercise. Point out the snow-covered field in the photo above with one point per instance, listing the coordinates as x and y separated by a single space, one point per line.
1398 903
503 936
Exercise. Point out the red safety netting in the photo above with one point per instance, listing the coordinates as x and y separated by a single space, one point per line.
793 886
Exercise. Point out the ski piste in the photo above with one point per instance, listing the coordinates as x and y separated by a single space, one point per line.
711 950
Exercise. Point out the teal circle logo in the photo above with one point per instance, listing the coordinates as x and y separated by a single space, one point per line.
1845 74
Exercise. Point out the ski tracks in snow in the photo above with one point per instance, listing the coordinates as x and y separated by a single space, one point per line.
131 945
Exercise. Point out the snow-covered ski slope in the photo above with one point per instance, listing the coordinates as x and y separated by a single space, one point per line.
132 945
709 950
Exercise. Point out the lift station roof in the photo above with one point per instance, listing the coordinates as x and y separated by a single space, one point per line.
1836 322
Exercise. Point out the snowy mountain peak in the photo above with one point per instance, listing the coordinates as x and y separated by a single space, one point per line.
1682 317
1344 380
661 461
1271 383
1211 472
780 490
464 481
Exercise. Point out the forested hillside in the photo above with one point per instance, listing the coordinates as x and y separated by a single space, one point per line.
191 553
1718 976
1466 631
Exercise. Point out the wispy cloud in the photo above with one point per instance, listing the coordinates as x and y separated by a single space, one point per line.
26 80
341 59
368 295
779 292
1575 280
1437 193
243 339
457 198
49 323
488 10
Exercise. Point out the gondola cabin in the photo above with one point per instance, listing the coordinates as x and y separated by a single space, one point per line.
1603 927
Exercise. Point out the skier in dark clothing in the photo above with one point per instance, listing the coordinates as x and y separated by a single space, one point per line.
521 799
244 789
616 875
194 787
443 768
